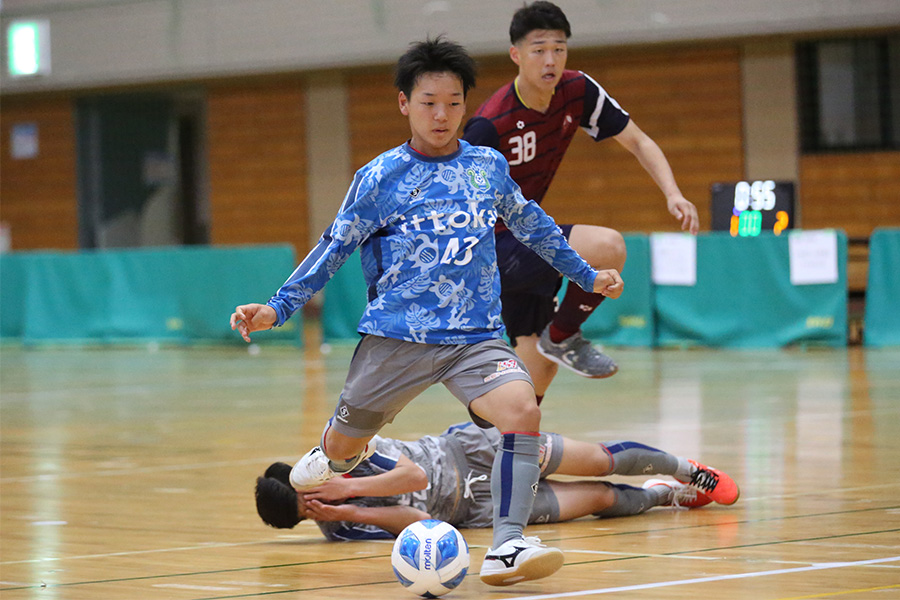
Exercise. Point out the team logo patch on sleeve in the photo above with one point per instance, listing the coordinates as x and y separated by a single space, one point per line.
505 367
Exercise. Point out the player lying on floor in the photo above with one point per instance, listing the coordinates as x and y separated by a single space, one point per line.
447 477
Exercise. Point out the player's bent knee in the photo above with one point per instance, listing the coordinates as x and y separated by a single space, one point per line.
524 416
612 247
602 247
511 407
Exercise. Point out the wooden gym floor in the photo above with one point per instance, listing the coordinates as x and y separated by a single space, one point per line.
128 473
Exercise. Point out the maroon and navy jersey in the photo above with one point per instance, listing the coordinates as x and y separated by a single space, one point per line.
533 142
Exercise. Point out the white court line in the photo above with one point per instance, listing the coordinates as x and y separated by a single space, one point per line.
134 470
133 552
662 584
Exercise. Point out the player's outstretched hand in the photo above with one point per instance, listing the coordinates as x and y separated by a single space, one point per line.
320 511
333 490
609 283
248 318
685 211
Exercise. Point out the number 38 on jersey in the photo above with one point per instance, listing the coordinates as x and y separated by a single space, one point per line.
522 148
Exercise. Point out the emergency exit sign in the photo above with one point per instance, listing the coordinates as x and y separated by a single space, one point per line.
29 48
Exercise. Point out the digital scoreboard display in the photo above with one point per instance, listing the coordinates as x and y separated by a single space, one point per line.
747 208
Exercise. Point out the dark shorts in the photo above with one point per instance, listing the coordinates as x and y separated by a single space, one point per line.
528 286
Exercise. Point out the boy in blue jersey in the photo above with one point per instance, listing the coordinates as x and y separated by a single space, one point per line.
423 215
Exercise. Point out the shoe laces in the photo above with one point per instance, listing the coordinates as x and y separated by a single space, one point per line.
681 495
705 480
534 541
577 341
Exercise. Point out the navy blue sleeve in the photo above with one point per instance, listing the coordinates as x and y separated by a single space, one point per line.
603 117
481 132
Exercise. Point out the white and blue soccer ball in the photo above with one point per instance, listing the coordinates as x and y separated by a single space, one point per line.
430 558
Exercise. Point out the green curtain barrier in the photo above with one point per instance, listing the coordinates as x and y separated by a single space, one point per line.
628 320
882 318
744 298
344 300
166 295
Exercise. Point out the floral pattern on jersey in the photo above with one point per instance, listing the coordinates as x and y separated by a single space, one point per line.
351 231
415 182
452 176
486 288
420 320
425 233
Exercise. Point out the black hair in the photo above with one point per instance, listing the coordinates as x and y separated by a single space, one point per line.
276 503
280 471
434 56
538 15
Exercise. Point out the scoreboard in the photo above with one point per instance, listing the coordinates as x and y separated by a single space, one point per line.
747 208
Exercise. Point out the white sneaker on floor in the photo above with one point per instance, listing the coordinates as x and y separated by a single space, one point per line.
314 469
518 560
678 494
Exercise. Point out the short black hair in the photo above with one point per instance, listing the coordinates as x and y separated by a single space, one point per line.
538 15
434 56
280 471
276 503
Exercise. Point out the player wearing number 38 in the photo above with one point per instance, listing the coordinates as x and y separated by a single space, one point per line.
532 121
423 216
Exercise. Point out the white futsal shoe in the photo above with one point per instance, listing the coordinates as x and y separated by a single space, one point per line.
678 494
315 469
521 559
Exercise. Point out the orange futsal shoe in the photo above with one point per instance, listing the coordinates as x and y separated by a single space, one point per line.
714 483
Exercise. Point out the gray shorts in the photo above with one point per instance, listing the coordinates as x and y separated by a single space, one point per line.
477 449
386 374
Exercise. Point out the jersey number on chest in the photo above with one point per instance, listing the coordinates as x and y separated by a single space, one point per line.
522 148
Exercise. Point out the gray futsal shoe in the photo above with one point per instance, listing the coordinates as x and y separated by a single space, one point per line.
314 468
577 354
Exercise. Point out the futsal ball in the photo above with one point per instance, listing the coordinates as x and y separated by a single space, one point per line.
430 558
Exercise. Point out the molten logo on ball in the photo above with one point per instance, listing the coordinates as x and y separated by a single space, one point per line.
430 558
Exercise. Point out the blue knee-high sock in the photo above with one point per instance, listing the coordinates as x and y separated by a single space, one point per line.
632 458
514 479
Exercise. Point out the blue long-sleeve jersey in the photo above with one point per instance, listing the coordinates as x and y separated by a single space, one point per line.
425 229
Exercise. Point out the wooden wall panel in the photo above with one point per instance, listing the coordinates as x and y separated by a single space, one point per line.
257 164
38 197
855 192
375 124
687 99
